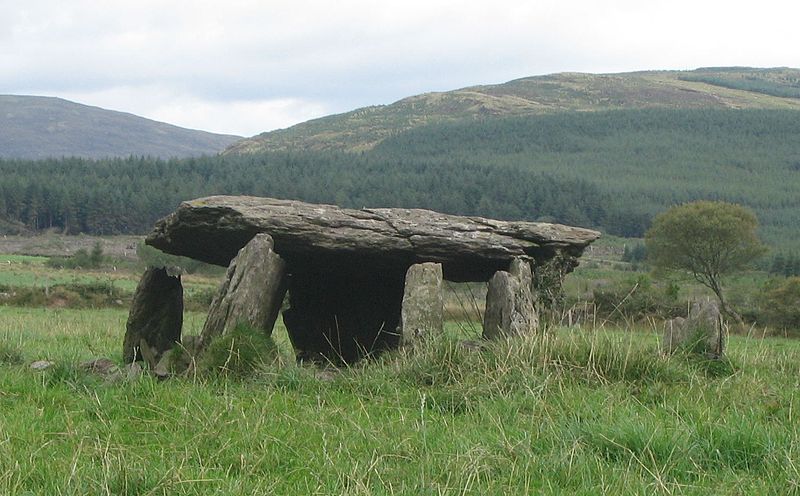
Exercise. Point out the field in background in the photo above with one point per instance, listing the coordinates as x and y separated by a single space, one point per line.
27 279
50 244
603 288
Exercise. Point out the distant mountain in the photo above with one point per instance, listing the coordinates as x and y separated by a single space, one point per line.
35 127
713 88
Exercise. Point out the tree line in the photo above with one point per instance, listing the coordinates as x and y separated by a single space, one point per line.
753 82
128 195
608 170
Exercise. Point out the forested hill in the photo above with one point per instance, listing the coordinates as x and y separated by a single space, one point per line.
711 88
40 127
611 170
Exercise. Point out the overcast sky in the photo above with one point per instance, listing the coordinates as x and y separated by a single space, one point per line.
244 67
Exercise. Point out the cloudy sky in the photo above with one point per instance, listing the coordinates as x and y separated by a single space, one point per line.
244 67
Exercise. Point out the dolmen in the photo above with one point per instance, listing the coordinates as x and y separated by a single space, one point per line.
358 281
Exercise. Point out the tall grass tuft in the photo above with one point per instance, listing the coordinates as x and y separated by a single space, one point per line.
238 354
590 358
10 353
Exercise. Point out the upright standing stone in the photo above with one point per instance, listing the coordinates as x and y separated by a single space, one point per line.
673 331
252 292
423 305
701 332
510 309
156 315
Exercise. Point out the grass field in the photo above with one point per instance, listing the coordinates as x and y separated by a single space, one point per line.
580 412
26 271
29 281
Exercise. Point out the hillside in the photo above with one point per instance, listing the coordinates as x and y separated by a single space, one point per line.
610 170
715 88
35 127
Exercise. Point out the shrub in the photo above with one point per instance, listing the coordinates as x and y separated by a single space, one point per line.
76 295
637 299
82 259
199 299
635 253
780 304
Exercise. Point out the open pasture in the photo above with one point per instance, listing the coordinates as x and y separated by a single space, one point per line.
578 411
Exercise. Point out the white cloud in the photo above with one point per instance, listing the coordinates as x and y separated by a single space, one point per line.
241 117
283 61
245 118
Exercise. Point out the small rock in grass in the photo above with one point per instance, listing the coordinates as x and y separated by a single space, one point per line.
41 365
133 371
326 374
103 367
472 345
173 362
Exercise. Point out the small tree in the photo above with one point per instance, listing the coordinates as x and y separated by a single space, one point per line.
708 240
780 303
96 256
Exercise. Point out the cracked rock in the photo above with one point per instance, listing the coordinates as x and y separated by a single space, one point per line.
252 292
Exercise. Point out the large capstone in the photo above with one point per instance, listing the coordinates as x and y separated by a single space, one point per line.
701 332
423 306
156 317
510 308
252 292
215 228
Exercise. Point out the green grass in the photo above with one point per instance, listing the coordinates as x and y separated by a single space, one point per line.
24 277
35 274
28 281
577 412
22 259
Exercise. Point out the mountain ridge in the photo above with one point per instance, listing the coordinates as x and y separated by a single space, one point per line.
362 129
40 127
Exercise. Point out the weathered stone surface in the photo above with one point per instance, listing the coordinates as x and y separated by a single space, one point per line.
510 309
214 229
133 371
548 279
172 362
191 344
472 345
252 292
423 305
156 316
148 354
103 367
41 365
701 332
346 269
